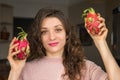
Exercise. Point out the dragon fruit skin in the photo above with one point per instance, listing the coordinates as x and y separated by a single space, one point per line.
94 28
91 21
22 46
91 16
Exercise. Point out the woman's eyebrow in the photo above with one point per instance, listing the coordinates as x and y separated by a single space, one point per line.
43 28
59 25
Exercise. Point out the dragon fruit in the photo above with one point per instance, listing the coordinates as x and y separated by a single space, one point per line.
23 45
91 20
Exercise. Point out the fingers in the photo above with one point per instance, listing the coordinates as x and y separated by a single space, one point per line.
102 20
103 30
13 40
12 54
98 14
102 26
12 47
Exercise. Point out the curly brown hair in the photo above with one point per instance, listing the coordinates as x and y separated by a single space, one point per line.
73 57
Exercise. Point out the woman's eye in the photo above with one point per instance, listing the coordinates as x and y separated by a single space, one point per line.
43 32
58 30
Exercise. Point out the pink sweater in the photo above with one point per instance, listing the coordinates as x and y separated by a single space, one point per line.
52 69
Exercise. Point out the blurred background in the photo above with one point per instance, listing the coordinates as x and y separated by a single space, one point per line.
14 13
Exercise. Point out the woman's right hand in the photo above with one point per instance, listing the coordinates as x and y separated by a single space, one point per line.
16 65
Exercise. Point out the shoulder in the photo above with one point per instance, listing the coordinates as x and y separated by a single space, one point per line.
94 71
89 63
92 66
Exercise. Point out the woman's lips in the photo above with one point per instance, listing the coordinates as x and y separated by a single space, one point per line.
53 44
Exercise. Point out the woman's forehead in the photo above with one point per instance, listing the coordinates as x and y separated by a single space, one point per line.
51 22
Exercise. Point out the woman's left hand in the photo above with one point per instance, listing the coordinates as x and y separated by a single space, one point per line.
101 36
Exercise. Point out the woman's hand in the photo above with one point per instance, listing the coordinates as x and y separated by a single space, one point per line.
14 63
101 36
106 55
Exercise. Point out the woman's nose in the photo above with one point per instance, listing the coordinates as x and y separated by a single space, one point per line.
52 36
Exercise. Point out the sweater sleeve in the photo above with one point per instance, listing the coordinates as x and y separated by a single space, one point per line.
96 72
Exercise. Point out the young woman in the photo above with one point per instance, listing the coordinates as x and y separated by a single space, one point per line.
56 53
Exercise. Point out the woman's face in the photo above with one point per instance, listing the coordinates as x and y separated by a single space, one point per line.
53 36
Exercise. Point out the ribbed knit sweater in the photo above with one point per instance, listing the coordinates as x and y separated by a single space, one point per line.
52 69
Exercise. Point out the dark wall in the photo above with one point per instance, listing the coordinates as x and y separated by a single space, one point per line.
116 34
21 22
